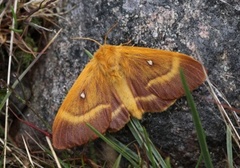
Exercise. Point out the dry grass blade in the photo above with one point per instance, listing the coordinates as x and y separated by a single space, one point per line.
27 150
14 85
29 67
53 152
40 8
36 158
17 41
215 94
15 153
8 83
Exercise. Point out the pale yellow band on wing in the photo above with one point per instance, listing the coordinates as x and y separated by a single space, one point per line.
117 111
167 77
90 115
146 98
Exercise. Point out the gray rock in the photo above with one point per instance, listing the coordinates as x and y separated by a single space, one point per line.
211 28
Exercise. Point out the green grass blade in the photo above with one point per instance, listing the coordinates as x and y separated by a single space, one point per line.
119 147
149 147
198 126
200 159
142 138
117 162
88 53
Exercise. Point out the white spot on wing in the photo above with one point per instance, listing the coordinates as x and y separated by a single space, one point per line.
82 95
150 62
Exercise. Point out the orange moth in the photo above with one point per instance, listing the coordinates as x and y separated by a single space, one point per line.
119 82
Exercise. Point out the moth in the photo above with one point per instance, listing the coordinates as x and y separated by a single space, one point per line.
119 82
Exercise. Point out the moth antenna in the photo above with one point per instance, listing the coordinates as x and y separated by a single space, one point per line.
106 35
127 43
87 38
